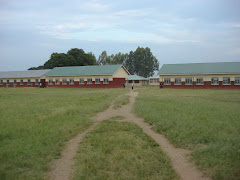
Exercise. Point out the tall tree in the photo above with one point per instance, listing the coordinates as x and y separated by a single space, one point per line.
104 59
144 63
129 63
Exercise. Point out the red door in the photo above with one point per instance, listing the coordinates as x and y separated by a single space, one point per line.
43 83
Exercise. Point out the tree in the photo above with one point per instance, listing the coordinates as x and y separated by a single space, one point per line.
104 59
129 64
91 58
142 62
79 55
56 60
36 68
74 57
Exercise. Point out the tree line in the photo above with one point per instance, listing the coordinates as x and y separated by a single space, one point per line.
140 62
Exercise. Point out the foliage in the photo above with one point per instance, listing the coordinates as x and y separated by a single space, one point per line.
104 59
144 62
35 124
74 57
36 68
205 121
120 150
140 62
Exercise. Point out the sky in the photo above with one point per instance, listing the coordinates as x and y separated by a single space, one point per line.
176 31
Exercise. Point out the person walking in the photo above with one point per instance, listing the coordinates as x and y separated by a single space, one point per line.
161 85
132 86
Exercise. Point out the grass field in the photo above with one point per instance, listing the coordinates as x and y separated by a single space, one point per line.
120 101
35 124
120 150
205 121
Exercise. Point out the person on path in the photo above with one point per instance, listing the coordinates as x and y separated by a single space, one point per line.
132 85
161 85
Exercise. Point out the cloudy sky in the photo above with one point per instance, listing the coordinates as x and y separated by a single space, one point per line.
177 31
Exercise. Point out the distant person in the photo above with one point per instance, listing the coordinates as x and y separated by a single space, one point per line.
40 85
123 85
132 85
161 85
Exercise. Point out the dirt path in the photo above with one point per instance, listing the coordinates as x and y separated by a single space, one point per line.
63 167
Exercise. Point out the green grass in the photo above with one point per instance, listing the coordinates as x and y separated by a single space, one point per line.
120 101
35 124
205 121
120 150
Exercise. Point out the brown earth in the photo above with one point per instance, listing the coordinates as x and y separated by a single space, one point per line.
63 167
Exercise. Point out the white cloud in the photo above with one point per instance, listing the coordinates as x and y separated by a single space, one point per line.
95 6
237 25
133 25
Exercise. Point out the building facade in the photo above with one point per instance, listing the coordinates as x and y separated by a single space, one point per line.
105 76
224 75
154 80
136 80
30 78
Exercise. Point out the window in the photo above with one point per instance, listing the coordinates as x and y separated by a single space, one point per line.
89 81
167 81
226 80
129 81
50 82
136 81
64 81
29 82
57 82
177 81
7 82
15 82
199 81
36 82
188 81
151 80
21 82
97 81
157 80
1 82
71 81
237 80
81 81
105 81
214 81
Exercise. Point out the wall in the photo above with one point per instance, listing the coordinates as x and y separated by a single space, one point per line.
115 83
120 73
25 82
77 78
141 83
207 81
154 83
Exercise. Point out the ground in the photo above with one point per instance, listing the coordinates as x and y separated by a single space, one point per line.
115 143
